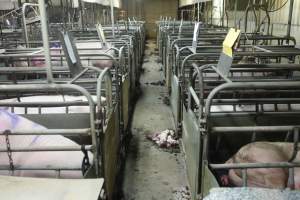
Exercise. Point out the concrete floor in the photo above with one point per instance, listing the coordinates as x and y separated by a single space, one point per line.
152 173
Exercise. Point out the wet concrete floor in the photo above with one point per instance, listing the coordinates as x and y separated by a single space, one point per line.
152 173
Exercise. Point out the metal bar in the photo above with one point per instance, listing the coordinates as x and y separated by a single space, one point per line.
244 176
253 114
255 100
198 13
45 37
63 81
24 6
254 165
31 69
64 132
251 85
112 17
235 14
291 178
78 75
289 27
268 129
295 149
194 95
46 168
221 74
44 104
50 148
261 49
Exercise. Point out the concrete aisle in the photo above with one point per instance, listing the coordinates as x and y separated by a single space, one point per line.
152 173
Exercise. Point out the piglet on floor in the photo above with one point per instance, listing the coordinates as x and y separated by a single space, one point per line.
164 139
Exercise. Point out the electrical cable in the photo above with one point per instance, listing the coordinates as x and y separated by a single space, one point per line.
279 7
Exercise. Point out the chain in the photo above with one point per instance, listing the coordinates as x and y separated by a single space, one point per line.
86 161
9 152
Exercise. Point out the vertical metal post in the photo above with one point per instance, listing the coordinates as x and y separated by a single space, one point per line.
290 18
45 37
223 13
198 11
25 5
212 11
112 17
235 13
24 24
244 177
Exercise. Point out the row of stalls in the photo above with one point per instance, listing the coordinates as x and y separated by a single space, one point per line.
67 88
228 88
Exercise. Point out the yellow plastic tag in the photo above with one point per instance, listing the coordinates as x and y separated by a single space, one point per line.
232 36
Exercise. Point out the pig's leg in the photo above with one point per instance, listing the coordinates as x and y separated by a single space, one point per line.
265 178
275 178
234 178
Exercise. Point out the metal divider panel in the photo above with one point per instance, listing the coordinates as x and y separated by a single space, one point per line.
20 188
191 143
224 64
209 181
226 57
71 53
174 99
111 147
125 101
61 121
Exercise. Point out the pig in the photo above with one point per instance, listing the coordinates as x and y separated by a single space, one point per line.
10 121
39 61
94 60
263 152
95 48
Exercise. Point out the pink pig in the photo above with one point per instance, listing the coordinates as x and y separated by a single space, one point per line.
10 121
264 152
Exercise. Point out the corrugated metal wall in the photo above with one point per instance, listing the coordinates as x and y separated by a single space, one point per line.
150 11
280 19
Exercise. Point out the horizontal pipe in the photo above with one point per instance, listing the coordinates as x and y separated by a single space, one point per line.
50 148
253 129
257 100
33 168
44 104
254 113
65 132
261 49
254 165
31 69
